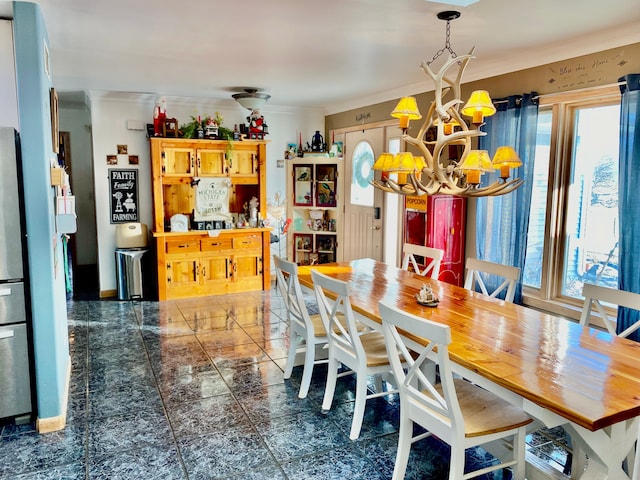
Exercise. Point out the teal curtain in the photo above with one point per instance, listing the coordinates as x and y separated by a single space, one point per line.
502 222
629 199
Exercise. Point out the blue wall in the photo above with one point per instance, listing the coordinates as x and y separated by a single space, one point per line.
51 347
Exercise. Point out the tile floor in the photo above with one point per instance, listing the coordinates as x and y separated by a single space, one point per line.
193 389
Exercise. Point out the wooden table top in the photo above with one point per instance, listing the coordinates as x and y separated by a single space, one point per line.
587 376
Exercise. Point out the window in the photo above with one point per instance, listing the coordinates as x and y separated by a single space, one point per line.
573 222
361 190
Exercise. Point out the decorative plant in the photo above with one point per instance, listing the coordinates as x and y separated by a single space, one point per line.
189 130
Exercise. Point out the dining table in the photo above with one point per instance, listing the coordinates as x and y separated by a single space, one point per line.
583 379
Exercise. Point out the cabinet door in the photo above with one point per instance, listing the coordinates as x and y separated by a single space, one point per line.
182 272
247 271
211 162
326 177
243 162
178 161
215 270
303 185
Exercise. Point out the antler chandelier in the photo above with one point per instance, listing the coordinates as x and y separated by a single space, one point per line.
433 172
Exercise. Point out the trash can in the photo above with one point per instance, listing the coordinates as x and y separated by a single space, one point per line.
129 272
131 245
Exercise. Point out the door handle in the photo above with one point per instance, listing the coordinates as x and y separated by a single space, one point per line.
375 227
7 334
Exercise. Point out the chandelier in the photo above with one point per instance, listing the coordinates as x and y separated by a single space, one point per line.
433 171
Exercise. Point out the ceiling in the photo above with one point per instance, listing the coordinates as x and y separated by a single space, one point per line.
334 54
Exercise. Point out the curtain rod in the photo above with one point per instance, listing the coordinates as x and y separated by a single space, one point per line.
546 95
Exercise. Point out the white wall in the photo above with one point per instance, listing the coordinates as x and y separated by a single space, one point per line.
110 113
77 121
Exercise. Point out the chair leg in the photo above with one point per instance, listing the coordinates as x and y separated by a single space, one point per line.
330 388
358 412
309 358
291 358
404 447
456 465
519 454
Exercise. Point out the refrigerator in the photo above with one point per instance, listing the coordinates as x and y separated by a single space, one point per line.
15 365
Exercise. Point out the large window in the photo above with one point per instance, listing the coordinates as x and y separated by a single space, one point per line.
573 223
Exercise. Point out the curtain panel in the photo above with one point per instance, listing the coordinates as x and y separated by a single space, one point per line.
502 222
629 198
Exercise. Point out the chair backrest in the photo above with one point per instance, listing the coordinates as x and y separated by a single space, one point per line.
289 286
432 259
438 405
343 332
594 295
478 269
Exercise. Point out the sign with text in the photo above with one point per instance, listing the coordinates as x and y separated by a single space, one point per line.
123 189
417 203
212 199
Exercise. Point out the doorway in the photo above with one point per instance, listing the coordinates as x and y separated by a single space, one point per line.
367 233
81 269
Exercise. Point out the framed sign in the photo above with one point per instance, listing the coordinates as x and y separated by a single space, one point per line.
123 190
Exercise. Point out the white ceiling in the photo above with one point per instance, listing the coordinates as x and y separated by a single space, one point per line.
335 54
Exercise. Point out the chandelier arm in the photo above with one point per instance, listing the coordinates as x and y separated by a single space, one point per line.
382 186
496 188
438 78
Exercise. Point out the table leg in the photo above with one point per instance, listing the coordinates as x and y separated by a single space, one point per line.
606 448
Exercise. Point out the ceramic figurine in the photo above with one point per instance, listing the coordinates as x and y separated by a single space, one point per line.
426 297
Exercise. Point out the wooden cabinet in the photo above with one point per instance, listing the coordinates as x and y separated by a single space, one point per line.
439 221
315 206
200 262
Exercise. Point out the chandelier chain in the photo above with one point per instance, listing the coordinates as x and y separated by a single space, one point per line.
447 45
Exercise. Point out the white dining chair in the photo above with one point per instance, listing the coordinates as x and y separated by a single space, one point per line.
432 259
362 352
594 295
454 410
477 271
306 331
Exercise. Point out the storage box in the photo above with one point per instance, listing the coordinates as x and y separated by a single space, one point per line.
131 235
57 177
66 204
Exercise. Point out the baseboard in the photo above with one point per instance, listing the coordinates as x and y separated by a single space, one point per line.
53 424
108 293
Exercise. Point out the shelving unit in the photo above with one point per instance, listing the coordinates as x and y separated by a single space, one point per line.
315 204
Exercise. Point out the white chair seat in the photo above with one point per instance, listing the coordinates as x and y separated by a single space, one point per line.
318 326
485 413
373 344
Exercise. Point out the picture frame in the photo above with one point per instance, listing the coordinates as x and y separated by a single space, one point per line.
123 195
55 123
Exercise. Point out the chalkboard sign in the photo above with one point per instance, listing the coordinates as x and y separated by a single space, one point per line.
123 189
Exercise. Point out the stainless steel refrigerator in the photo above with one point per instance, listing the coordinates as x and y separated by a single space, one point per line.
15 379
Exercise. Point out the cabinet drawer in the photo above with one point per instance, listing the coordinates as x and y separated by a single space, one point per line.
248 242
212 244
183 246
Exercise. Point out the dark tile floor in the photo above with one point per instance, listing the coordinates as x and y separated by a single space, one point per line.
193 389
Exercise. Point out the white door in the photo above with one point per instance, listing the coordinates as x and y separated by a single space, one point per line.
363 225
